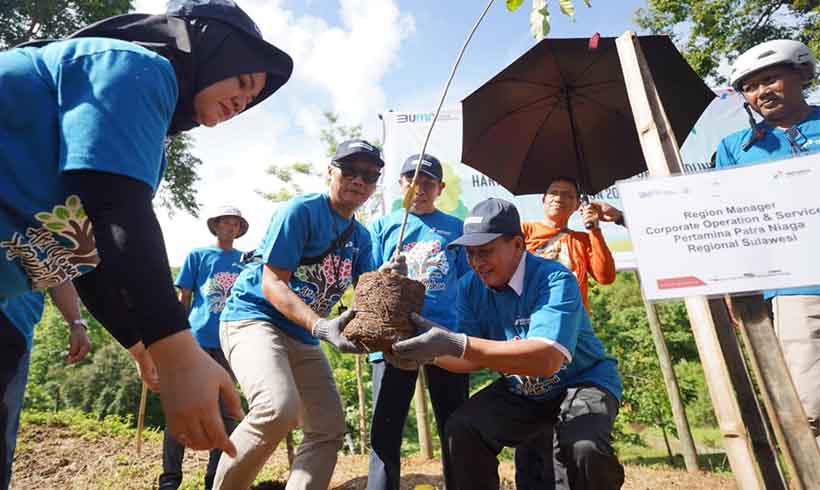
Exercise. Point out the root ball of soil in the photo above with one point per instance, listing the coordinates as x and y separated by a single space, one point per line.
383 305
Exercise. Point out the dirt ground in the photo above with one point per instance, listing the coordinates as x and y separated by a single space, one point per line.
56 458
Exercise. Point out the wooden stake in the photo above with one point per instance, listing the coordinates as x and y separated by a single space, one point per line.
788 417
750 410
662 157
422 421
690 455
141 417
362 411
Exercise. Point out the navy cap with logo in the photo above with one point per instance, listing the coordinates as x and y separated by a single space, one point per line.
350 149
430 166
487 221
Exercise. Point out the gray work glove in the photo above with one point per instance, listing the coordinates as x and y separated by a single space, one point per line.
396 265
433 341
404 364
331 331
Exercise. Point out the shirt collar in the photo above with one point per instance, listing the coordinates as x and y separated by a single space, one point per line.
517 280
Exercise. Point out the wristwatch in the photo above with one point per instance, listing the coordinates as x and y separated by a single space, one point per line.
79 322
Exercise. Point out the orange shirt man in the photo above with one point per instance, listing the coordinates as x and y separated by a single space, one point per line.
583 253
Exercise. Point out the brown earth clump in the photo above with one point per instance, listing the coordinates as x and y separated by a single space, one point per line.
383 304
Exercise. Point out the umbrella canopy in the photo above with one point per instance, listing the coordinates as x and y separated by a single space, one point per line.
562 109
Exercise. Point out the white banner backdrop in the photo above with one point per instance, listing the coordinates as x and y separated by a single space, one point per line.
405 132
738 230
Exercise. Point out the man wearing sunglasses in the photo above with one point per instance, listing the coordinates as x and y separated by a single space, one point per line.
272 323
424 248
772 77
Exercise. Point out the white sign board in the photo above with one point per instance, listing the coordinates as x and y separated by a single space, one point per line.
743 229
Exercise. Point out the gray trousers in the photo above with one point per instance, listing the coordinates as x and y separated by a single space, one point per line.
797 325
287 384
578 453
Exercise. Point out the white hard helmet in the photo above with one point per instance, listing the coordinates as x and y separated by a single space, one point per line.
769 54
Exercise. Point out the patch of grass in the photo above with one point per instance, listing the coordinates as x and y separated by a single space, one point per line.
88 426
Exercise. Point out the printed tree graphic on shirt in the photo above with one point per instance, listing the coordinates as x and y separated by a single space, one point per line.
70 222
217 290
320 287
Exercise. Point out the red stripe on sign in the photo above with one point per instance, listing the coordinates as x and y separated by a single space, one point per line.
680 282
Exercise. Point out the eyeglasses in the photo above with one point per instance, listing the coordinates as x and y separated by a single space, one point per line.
351 173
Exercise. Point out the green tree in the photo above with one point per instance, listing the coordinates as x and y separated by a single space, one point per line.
25 20
177 191
710 32
618 316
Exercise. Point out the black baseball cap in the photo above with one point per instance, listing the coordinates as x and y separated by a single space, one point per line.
349 149
487 221
430 166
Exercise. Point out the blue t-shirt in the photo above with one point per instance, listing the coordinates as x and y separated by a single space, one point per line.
549 308
83 104
776 144
24 311
209 273
305 227
425 246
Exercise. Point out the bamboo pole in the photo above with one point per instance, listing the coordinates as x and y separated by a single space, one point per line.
690 455
141 417
750 410
422 421
789 420
362 411
662 157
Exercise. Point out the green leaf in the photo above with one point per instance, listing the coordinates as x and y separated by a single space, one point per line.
72 201
540 22
61 212
80 214
55 226
588 3
43 217
512 5
567 7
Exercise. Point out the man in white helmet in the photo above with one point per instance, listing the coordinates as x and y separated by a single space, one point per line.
772 77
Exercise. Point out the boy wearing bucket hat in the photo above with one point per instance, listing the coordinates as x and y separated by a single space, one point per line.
772 77
204 282
424 248
313 250
522 316
79 167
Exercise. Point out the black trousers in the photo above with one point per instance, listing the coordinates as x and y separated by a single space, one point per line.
12 348
173 452
578 454
492 419
393 390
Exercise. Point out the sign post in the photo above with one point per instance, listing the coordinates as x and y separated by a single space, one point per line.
663 158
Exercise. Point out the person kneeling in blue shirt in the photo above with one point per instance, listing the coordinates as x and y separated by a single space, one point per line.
428 260
523 316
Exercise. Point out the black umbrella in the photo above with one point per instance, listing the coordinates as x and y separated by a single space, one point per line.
561 109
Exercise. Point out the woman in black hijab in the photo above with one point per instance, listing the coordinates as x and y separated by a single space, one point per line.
82 129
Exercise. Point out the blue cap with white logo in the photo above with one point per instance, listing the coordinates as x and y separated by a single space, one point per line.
346 150
487 221
430 166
